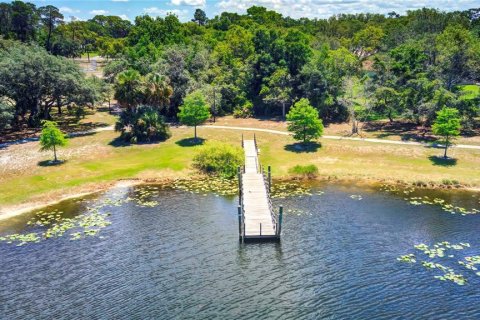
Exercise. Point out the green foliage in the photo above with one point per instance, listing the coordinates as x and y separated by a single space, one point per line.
6 114
51 138
37 81
447 125
245 111
303 122
219 159
129 88
411 63
309 171
194 110
142 124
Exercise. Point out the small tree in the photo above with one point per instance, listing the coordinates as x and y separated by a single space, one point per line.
447 125
303 121
51 138
194 110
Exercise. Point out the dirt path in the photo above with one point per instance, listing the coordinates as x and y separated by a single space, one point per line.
461 146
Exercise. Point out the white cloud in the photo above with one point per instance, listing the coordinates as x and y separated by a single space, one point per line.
68 10
124 17
198 3
154 11
98 12
327 8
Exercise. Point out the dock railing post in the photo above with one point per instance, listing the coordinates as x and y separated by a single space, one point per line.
260 229
269 179
242 140
239 186
240 233
280 218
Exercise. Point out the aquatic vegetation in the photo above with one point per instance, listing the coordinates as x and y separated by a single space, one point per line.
356 197
282 190
408 258
426 200
438 251
211 184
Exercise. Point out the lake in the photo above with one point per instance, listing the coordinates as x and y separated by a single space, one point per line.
176 254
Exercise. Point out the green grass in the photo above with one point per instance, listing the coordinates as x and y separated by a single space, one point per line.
103 163
307 171
92 54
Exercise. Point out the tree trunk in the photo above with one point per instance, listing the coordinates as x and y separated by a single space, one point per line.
195 130
283 110
304 135
55 154
446 147
59 109
390 116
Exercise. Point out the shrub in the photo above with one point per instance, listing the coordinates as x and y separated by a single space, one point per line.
219 159
309 171
143 124
245 111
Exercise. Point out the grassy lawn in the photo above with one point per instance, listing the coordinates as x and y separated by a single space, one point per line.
93 160
469 91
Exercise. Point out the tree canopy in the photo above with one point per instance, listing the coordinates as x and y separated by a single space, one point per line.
194 110
303 122
447 125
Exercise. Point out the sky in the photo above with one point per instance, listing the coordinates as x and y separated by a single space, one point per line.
129 9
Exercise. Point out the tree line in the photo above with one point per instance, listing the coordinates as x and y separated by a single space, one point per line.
261 63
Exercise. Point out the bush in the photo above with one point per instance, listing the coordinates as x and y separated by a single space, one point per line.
245 111
219 159
143 124
309 171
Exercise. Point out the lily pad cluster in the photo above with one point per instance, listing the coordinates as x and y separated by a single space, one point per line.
282 190
143 197
54 225
426 200
439 250
215 185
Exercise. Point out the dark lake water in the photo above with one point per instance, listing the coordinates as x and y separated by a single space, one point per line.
182 260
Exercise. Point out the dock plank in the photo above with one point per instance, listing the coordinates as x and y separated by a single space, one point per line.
256 207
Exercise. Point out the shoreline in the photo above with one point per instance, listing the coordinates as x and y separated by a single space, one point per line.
14 210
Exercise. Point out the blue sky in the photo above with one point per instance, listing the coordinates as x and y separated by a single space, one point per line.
184 9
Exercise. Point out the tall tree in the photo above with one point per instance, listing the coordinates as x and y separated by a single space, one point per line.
200 17
303 121
158 91
51 138
129 88
24 20
51 18
194 110
447 125
277 90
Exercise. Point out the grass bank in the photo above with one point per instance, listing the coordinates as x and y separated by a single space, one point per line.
95 160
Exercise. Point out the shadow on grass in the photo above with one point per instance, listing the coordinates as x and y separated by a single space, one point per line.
190 142
51 163
300 147
120 142
441 161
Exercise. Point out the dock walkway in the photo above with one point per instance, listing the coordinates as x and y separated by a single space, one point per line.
257 219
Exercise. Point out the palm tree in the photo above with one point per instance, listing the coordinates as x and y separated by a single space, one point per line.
158 91
128 88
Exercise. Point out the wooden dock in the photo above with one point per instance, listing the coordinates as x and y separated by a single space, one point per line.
257 219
